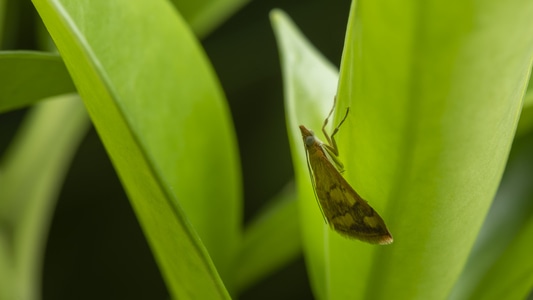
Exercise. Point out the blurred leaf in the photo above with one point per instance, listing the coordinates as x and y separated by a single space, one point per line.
205 15
432 120
161 114
3 5
511 277
27 77
270 241
31 174
509 212
525 124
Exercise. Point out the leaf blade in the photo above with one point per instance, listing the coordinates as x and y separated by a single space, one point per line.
516 264
309 87
32 172
28 76
160 135
205 15
430 147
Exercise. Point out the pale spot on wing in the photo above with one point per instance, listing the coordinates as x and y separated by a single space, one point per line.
372 221
336 194
346 220
350 199
339 194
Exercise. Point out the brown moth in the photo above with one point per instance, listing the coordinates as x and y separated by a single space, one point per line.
343 209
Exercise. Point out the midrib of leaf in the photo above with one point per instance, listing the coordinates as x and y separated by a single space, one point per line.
420 26
379 260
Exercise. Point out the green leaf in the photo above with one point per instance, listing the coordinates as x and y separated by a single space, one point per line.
27 77
433 113
309 84
433 124
511 277
3 6
270 241
508 214
525 124
162 116
205 15
31 174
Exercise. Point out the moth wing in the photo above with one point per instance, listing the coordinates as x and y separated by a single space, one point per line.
347 212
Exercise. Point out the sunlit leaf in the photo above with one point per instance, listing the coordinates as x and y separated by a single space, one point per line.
162 117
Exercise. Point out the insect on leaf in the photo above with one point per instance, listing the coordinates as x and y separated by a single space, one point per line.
343 209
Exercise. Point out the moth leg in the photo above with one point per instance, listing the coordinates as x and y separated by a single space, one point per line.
331 149
326 135
333 143
329 115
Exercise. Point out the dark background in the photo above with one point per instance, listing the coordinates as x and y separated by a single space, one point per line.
96 249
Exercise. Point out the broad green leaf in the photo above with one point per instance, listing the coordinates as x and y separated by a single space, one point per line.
31 174
436 103
433 114
309 84
270 241
161 114
27 77
205 15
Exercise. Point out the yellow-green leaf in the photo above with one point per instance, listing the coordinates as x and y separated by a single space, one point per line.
162 116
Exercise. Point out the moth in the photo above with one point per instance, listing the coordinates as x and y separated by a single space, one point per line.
342 208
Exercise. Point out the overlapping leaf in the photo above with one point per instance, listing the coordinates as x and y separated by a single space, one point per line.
161 114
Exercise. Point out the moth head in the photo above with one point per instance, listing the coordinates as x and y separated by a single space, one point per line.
310 140
308 136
